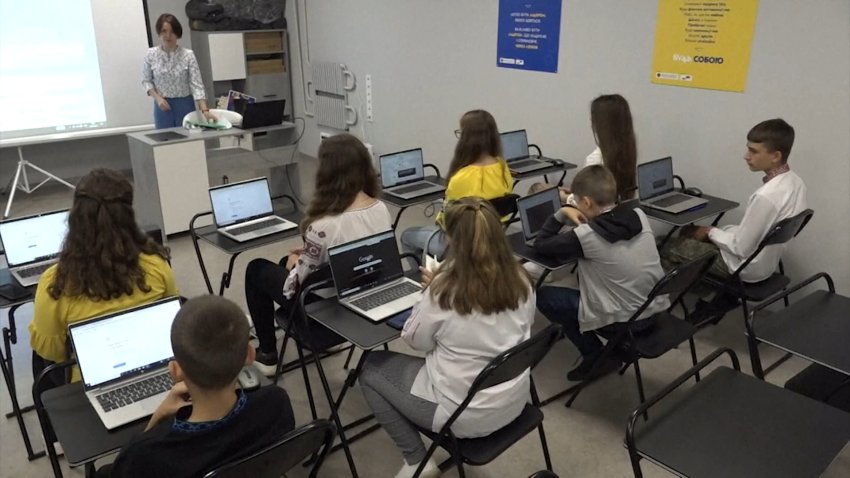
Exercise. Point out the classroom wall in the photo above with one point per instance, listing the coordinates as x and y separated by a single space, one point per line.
431 61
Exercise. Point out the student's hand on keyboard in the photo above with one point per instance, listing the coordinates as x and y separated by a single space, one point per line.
427 276
176 399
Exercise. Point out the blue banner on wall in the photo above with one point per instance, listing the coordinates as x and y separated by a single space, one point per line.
529 34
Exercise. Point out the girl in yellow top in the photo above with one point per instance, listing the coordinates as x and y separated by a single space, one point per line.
106 264
477 170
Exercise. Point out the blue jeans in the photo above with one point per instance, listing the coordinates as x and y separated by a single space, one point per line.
413 240
560 305
172 118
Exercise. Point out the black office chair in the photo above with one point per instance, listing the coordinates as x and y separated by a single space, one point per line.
665 333
506 206
278 458
504 367
41 384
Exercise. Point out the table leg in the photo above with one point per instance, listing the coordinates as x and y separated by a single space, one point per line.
10 337
200 258
563 176
667 237
226 276
717 219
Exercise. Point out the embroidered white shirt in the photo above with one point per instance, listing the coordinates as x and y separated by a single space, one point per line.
174 74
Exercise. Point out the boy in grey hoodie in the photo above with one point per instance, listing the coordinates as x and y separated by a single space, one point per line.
618 265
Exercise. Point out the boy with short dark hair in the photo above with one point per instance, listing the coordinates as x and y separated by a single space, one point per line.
205 422
782 195
618 265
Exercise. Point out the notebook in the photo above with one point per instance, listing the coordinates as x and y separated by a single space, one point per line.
535 209
243 211
655 188
515 151
33 244
123 360
263 113
403 175
369 278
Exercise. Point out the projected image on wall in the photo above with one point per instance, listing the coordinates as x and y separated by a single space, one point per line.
49 68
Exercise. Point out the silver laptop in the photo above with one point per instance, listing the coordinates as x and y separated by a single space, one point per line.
123 360
33 244
369 278
655 188
243 210
403 175
515 151
534 210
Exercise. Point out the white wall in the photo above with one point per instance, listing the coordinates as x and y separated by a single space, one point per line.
431 61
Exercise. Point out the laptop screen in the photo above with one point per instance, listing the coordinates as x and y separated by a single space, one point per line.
241 201
535 209
655 177
365 263
514 145
263 113
34 238
402 167
127 343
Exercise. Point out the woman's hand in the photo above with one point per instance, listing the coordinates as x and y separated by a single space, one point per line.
574 215
163 104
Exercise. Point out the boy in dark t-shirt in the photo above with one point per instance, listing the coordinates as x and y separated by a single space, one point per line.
205 422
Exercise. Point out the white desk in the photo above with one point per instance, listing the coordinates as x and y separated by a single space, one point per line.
171 177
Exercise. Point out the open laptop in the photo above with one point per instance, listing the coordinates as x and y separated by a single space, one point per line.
243 210
263 113
403 175
515 151
535 209
655 188
369 278
123 360
33 244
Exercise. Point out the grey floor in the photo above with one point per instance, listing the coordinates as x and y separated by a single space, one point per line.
585 440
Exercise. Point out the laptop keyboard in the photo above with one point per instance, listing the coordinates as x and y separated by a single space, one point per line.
134 392
386 296
671 200
256 226
523 163
410 189
33 271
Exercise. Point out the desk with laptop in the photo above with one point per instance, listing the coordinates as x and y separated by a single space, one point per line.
244 218
515 150
404 182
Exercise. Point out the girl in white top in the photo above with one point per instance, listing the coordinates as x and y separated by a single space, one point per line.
344 208
478 304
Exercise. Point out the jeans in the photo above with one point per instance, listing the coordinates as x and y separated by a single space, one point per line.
173 118
560 305
413 240
263 288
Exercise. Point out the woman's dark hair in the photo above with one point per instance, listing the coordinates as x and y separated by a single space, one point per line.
479 136
100 255
345 169
611 121
170 19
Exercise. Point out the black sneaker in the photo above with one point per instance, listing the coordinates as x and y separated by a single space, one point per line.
585 370
266 362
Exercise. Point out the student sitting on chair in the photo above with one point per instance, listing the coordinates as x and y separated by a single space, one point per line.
478 304
106 264
618 265
477 169
205 422
344 208
782 195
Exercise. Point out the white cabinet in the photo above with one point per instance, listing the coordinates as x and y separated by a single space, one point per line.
227 56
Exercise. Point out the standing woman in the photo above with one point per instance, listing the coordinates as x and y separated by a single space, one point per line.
611 121
477 169
171 76
106 264
479 303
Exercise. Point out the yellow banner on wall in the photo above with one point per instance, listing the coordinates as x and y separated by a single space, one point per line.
704 43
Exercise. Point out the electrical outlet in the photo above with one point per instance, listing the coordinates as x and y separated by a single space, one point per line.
369 116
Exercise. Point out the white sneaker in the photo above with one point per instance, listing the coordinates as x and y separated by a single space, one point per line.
431 470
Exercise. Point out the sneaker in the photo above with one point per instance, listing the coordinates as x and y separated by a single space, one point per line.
266 362
585 370
431 470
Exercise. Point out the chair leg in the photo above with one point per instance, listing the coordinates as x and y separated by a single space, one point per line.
639 381
279 369
623 369
335 415
752 345
535 400
348 359
694 356
307 381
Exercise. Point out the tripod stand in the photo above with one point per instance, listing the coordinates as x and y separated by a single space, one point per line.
21 180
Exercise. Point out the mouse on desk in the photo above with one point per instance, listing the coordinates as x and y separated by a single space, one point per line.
556 162
692 191
248 379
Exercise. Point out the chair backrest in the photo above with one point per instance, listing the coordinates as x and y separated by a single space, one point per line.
511 363
781 232
677 282
278 458
505 205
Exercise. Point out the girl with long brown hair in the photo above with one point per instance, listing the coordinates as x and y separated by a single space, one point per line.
106 264
478 304
345 207
611 121
477 169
